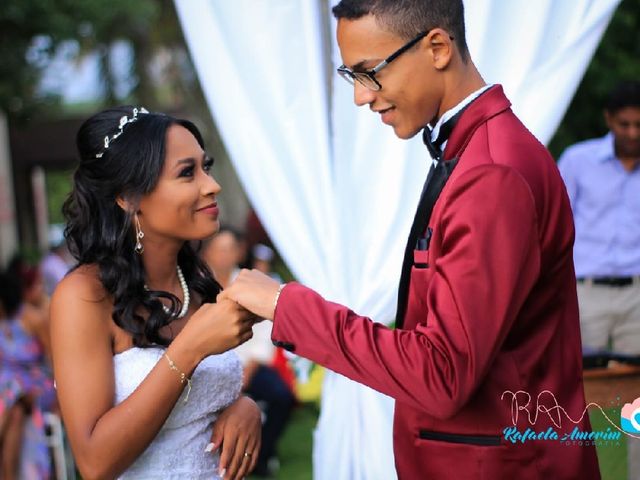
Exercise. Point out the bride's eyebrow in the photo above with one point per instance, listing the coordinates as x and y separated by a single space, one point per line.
190 161
182 163
185 161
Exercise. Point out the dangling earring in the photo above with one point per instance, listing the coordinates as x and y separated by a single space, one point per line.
139 248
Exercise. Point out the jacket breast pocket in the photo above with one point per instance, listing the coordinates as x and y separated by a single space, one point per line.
421 259
419 283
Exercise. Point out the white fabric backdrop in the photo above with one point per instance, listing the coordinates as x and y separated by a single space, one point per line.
333 187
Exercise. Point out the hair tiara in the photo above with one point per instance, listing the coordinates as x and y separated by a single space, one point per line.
124 121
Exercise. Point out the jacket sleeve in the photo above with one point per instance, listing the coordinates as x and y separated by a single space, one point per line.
489 262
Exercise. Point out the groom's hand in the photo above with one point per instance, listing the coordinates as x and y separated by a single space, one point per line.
255 291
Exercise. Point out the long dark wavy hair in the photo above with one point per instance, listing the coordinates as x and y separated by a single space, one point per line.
100 232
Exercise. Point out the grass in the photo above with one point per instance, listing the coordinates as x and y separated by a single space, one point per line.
612 458
296 444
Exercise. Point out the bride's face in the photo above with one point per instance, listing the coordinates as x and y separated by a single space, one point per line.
183 204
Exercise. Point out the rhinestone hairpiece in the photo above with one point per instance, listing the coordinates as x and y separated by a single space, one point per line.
124 121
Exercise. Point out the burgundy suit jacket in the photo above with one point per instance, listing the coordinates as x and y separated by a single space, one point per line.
492 308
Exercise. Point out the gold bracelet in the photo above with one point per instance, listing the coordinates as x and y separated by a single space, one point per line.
183 377
275 300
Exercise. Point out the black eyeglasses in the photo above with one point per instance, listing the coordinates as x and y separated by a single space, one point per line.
368 77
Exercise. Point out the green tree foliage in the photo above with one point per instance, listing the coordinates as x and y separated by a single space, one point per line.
32 30
617 58
58 184
32 33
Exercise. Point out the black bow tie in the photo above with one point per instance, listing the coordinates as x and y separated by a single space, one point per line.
435 147
434 151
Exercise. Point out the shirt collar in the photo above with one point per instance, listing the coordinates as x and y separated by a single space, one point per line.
451 112
607 148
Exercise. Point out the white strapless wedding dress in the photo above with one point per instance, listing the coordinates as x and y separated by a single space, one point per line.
177 452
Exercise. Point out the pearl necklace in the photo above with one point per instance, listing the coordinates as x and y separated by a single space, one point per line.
185 295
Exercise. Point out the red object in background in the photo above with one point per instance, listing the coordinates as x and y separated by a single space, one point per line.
255 232
281 364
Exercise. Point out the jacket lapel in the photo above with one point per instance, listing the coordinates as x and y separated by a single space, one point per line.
433 187
487 105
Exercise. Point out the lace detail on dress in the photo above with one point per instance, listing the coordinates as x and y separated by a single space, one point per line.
177 452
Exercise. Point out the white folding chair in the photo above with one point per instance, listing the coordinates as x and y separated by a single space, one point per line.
63 463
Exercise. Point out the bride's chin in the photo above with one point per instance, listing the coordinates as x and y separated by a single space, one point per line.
206 233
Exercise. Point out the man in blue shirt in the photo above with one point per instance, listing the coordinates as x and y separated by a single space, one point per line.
602 176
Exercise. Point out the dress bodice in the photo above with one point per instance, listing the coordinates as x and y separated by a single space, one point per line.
177 452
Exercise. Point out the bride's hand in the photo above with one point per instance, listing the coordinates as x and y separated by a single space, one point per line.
237 432
216 328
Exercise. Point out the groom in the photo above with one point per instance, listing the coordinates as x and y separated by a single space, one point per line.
487 296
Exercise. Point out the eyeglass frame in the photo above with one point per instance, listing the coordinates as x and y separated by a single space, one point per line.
351 76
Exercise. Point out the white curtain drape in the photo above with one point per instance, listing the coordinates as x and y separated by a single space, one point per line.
333 187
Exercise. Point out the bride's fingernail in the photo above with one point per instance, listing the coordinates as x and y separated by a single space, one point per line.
209 448
223 472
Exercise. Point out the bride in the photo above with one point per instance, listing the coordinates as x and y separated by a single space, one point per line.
146 383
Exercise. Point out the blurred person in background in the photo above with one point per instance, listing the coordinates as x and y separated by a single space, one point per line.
35 300
261 379
146 381
55 264
26 385
602 176
223 254
263 256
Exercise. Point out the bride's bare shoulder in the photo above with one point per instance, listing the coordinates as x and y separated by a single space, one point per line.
83 283
81 293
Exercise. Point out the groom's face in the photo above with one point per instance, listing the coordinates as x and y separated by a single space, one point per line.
410 93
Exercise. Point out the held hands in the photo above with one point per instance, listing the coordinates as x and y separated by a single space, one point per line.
255 291
217 327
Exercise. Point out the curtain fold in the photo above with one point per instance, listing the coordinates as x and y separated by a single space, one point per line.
334 188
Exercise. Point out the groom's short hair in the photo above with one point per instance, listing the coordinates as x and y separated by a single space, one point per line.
409 18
